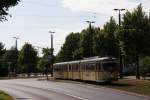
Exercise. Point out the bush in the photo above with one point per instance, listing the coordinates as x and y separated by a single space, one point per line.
145 66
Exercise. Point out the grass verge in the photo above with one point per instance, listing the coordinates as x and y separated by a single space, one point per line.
132 85
4 96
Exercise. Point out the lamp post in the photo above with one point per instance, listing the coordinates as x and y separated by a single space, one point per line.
120 51
91 38
16 53
16 38
52 50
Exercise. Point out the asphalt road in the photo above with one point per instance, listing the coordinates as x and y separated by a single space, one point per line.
32 89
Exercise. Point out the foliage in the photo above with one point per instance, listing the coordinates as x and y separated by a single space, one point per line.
41 65
78 54
135 34
72 42
10 57
2 50
47 55
2 68
28 58
105 41
87 41
4 7
145 66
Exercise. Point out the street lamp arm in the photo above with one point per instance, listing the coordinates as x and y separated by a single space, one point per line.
16 37
51 32
123 9
116 9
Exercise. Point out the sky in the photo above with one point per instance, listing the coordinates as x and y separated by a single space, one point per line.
32 20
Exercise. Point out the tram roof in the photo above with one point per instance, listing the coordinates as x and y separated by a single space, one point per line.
86 60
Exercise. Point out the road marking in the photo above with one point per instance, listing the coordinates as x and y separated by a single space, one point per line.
68 94
75 96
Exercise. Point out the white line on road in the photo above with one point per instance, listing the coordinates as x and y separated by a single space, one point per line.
75 96
68 94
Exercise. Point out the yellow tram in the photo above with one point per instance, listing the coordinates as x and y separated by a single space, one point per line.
96 69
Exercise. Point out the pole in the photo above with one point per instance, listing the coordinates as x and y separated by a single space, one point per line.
16 38
149 15
51 41
119 19
91 38
120 51
52 50
120 55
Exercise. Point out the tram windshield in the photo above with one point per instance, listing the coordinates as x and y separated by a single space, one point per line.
110 66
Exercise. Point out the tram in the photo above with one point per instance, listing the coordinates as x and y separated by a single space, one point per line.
93 69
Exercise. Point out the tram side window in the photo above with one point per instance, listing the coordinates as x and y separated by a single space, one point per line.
57 68
69 67
65 68
109 66
77 67
99 67
82 66
60 67
73 67
90 66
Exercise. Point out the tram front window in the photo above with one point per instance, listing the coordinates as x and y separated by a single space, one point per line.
110 66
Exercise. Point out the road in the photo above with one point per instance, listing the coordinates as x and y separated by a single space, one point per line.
33 89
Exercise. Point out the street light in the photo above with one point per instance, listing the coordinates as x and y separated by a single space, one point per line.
91 38
51 32
120 51
119 10
52 50
16 52
90 22
16 38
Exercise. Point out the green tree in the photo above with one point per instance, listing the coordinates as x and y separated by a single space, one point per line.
145 66
105 40
72 43
41 65
4 7
9 61
2 50
87 41
98 42
78 54
28 58
135 34
2 68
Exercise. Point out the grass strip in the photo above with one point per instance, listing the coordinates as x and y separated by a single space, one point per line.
4 96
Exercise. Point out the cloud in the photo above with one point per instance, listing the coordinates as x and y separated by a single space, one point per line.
103 6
